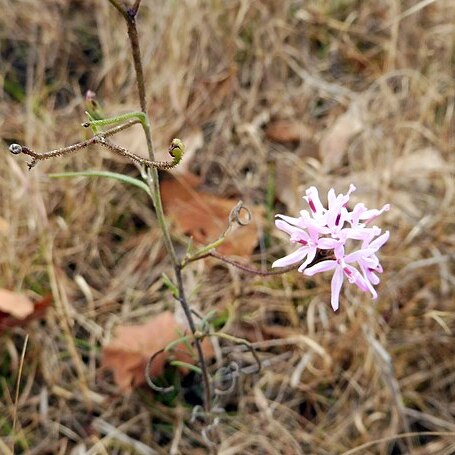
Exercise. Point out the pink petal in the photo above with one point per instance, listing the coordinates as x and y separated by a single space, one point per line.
295 233
316 228
337 281
343 199
331 198
312 197
370 283
336 207
344 217
339 251
305 214
370 215
355 277
310 257
359 255
322 266
333 215
285 227
326 243
377 243
294 257
370 262
373 278
289 219
351 189
361 233
357 212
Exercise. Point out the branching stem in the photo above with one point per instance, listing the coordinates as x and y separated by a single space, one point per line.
175 150
130 18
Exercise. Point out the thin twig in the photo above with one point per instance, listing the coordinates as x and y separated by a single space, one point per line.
101 139
247 268
120 8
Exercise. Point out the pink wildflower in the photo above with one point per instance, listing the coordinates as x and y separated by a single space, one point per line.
331 229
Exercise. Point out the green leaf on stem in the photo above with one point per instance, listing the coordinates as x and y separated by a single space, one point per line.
112 175
178 363
170 285
182 339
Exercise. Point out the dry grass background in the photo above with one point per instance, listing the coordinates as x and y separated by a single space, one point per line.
228 69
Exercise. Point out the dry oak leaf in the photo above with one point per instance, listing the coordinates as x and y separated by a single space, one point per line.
288 131
21 314
133 345
335 141
16 305
204 216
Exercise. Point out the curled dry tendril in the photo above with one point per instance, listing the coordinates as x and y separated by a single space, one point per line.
148 378
236 214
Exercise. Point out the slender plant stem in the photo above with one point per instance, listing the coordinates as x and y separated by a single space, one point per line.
247 268
137 60
197 341
130 17
136 6
119 8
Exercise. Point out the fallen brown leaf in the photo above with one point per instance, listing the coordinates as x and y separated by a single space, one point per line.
8 319
419 162
133 345
335 140
204 216
288 131
287 182
16 305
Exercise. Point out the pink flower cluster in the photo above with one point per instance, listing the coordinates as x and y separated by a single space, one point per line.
330 229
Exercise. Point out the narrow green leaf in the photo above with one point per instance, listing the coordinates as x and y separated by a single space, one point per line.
187 344
170 285
178 363
173 344
112 175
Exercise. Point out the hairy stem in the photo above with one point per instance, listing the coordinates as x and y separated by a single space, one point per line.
101 138
130 17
